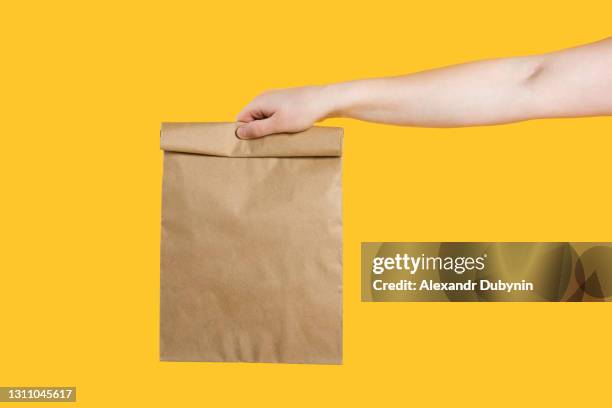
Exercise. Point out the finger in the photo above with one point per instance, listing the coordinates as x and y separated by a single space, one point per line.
246 114
257 128
254 114
253 111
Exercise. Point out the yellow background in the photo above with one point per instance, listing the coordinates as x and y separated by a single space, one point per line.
84 88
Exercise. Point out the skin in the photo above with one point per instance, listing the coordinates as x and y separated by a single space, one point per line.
568 83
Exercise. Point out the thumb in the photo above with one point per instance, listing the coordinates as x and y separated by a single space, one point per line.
257 128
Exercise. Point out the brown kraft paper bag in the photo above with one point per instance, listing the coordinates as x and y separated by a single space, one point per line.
251 249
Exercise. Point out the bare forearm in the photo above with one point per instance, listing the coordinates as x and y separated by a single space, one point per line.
471 94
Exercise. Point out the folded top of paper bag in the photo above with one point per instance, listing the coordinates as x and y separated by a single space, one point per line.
219 139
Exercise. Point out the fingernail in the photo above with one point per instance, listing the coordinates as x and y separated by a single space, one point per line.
239 132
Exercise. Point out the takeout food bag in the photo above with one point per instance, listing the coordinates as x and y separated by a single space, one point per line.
251 249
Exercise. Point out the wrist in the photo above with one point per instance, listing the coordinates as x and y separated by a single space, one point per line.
341 99
332 100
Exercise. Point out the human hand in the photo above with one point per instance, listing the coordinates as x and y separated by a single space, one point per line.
282 111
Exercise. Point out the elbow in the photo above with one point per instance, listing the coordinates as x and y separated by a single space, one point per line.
532 84
534 70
